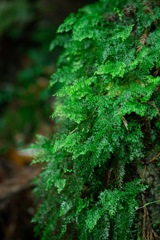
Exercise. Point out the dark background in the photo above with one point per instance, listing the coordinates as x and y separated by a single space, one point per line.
26 30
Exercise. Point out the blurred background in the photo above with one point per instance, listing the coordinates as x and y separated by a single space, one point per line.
26 31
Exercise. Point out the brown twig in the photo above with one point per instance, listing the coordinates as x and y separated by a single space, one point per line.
147 232
18 183
154 158
143 39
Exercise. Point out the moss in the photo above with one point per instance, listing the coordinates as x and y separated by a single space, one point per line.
107 116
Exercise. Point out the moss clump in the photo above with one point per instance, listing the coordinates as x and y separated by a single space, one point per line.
107 114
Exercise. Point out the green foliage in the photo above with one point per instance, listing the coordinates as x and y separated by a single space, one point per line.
107 103
14 12
24 71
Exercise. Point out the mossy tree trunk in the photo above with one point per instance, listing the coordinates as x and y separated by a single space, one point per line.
150 213
101 179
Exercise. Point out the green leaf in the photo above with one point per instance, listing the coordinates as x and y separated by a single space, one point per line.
93 216
60 184
116 69
123 34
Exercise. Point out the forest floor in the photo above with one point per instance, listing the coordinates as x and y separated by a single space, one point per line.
16 200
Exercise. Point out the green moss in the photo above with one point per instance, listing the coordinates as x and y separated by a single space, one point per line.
106 108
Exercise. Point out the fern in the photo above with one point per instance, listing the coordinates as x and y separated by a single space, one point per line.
108 91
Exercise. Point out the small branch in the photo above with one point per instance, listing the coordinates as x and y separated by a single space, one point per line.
18 183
